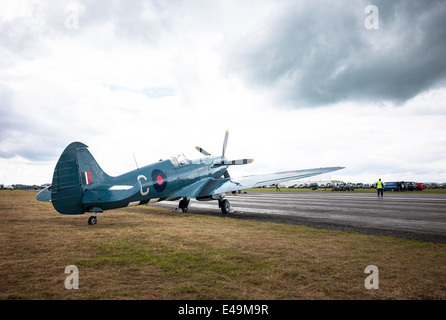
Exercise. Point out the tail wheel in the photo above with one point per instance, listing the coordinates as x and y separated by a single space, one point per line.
92 220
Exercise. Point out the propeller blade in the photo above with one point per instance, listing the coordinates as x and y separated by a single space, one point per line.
225 142
234 162
203 151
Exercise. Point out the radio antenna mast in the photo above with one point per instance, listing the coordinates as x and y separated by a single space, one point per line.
135 161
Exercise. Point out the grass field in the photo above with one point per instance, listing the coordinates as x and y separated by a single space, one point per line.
151 253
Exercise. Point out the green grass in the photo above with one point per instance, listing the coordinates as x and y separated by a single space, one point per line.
151 253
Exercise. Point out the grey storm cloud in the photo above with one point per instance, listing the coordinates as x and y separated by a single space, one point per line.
322 53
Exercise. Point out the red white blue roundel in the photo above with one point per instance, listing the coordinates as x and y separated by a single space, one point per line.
159 180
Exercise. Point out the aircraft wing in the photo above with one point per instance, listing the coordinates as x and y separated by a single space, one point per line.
254 181
208 187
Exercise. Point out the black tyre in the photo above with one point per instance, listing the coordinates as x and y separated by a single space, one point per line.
225 206
92 220
184 204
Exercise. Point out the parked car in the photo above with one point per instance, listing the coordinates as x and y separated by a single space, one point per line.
343 187
391 186
314 186
410 186
420 186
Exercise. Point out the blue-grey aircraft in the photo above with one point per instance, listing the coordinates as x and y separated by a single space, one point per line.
79 184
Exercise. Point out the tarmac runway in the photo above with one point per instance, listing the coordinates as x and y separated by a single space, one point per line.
412 215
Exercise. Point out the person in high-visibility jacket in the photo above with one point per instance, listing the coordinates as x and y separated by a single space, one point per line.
379 187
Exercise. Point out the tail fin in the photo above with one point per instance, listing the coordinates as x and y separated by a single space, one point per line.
90 171
75 171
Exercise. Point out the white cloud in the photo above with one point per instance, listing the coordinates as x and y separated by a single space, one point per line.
160 82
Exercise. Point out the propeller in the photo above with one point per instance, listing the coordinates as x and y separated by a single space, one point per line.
234 162
223 161
225 143
203 151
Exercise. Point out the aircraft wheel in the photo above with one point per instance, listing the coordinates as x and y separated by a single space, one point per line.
92 220
184 204
225 206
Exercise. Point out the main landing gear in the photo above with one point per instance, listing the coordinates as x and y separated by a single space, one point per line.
223 204
184 204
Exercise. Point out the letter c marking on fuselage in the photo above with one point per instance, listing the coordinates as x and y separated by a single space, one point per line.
143 193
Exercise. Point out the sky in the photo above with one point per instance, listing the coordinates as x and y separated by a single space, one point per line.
298 84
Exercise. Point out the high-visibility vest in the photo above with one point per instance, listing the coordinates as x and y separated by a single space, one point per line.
379 185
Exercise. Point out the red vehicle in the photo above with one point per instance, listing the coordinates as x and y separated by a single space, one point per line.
420 186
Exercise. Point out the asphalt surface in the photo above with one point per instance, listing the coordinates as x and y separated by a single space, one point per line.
412 215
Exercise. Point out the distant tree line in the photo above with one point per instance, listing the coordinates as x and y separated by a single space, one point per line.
23 187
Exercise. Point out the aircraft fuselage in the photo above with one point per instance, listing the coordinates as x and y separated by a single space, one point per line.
151 183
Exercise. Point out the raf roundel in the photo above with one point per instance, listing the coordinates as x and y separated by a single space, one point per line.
159 180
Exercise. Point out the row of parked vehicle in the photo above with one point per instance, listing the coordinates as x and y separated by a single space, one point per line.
403 186
388 186
345 186
335 186
434 185
411 186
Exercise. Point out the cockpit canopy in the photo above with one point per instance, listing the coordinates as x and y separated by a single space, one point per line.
179 160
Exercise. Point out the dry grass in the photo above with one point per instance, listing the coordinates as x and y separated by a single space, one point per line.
151 253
